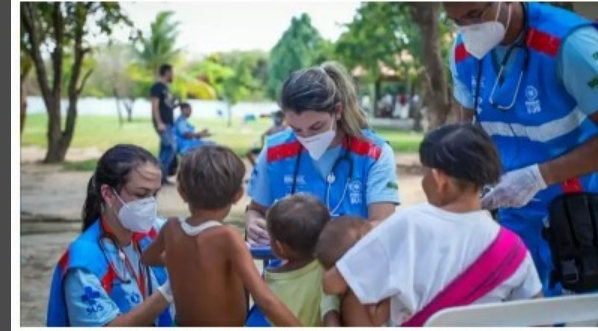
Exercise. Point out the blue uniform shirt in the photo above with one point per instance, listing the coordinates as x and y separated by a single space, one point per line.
577 69
88 303
381 184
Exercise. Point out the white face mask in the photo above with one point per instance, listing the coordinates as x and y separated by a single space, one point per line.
479 39
318 144
138 215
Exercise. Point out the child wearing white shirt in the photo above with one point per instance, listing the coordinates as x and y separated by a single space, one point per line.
418 261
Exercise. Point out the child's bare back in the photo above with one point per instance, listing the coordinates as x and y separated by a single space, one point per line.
207 291
209 264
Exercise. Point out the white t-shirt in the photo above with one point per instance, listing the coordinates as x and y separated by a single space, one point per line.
418 251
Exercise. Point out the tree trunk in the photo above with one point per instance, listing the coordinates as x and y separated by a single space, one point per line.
56 149
129 108
24 98
425 15
376 96
118 111
59 141
229 112
30 17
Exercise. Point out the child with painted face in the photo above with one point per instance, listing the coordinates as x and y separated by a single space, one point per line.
444 253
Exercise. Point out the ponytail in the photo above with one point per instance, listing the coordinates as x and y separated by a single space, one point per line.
93 204
353 119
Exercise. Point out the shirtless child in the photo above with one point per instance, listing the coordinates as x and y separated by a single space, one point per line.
209 265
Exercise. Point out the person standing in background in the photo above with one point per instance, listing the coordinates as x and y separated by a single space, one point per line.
163 104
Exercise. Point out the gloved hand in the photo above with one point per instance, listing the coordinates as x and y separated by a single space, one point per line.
166 291
515 189
257 235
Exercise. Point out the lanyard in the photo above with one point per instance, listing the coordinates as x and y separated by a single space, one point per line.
139 276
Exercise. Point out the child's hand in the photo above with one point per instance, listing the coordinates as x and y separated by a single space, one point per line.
379 313
332 319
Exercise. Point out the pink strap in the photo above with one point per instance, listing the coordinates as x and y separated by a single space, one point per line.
494 266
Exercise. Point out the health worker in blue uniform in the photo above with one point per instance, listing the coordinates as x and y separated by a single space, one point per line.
530 72
99 280
328 151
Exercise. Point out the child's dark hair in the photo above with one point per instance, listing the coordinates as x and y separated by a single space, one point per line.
320 89
297 221
210 176
185 105
113 169
338 237
462 151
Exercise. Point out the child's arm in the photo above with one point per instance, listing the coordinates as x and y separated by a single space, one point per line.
154 253
274 309
330 306
334 283
203 134
379 313
332 319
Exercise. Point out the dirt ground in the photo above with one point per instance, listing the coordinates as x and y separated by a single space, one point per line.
51 201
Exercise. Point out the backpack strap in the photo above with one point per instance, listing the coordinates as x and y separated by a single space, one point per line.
496 264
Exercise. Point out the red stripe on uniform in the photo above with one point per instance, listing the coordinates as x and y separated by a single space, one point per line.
152 234
364 148
543 42
460 53
572 186
64 262
108 279
283 151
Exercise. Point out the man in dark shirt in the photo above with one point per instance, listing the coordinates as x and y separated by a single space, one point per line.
163 105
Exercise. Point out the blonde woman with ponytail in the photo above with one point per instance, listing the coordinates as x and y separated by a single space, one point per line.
328 151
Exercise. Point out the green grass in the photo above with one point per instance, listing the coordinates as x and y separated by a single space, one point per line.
85 165
103 132
401 141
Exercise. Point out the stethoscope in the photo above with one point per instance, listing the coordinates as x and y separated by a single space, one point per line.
127 272
331 178
520 44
